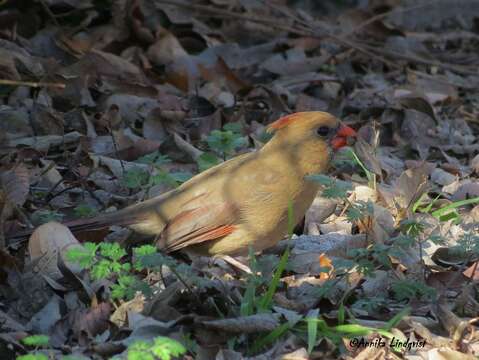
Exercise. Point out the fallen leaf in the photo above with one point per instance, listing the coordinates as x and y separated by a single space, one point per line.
245 324
16 184
325 263
472 272
92 321
47 243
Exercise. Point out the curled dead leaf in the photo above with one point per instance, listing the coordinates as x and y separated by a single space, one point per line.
16 183
91 322
325 263
49 241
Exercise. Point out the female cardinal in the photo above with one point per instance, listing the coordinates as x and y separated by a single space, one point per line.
244 201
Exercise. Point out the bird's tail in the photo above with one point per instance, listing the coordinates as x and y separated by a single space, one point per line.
144 217
124 217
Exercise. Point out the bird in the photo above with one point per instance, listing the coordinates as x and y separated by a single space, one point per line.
242 203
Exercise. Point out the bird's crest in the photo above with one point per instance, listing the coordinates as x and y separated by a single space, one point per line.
283 122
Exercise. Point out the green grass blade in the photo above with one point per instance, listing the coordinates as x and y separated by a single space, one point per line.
249 296
396 318
370 176
442 211
271 337
312 325
267 299
428 209
341 315
353 330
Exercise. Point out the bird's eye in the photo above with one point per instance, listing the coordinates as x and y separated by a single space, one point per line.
323 131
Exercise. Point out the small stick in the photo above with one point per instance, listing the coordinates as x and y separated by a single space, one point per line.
235 263
31 83
386 14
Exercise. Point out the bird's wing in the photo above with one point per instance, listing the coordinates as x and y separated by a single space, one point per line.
197 223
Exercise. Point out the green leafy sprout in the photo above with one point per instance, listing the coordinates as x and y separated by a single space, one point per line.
106 260
223 144
140 178
162 348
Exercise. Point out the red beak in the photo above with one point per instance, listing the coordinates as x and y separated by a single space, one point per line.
341 138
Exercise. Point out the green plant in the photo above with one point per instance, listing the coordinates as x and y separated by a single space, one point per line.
360 210
172 179
207 160
127 286
84 211
105 260
272 336
332 188
369 175
314 327
33 356
223 144
408 290
36 340
251 303
468 243
137 178
43 216
154 158
162 348
367 260
371 304
103 264
449 211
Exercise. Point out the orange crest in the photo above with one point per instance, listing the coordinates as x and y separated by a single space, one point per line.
282 122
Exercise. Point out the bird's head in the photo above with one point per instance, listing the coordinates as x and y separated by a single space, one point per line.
313 126
310 136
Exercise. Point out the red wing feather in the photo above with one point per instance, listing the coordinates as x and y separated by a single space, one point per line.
217 233
193 226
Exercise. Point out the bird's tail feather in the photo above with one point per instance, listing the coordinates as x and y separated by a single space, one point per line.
122 217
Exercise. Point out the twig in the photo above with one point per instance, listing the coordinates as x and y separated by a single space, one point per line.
186 147
414 59
235 263
188 287
31 83
49 12
386 14
3 202
115 147
232 14
24 217
304 29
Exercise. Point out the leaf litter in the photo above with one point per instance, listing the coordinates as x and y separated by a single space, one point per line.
105 104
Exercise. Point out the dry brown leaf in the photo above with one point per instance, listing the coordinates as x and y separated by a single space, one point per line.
472 271
246 324
49 241
92 321
410 186
16 184
325 262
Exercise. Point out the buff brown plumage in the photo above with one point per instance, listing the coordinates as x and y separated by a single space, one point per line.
244 201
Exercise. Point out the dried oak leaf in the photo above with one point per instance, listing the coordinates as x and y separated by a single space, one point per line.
16 183
92 321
